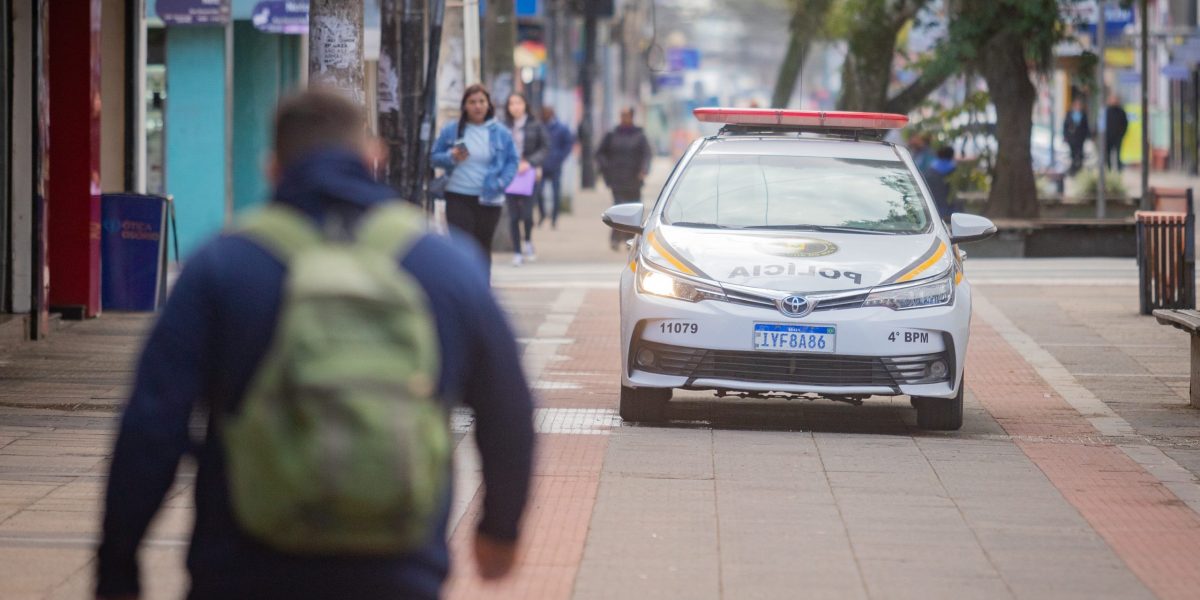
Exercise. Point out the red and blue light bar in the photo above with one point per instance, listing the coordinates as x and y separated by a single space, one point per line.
815 119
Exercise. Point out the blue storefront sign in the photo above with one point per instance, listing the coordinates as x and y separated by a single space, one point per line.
1177 72
683 59
193 12
133 251
528 8
281 16
669 80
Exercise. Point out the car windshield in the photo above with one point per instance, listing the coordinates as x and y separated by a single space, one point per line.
740 191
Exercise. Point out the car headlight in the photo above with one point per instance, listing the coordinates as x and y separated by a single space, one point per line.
656 282
938 292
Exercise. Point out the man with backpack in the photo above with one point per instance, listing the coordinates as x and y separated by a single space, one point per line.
329 337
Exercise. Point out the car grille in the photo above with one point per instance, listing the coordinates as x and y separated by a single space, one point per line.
823 302
789 368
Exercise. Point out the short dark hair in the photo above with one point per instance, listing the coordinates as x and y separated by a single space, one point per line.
314 119
945 153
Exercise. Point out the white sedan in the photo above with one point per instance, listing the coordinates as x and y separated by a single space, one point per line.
795 254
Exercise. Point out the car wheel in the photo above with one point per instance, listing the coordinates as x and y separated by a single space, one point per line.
940 414
644 405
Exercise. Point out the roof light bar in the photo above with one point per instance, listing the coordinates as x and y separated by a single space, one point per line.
770 117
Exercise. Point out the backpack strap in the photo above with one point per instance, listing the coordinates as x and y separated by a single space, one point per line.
283 231
391 228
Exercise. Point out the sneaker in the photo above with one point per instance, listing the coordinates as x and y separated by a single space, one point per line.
517 260
528 252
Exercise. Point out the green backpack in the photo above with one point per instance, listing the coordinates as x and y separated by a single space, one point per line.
341 445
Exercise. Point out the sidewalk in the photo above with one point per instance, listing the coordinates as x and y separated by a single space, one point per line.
1132 178
1074 475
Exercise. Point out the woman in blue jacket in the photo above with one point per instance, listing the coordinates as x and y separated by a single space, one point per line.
478 154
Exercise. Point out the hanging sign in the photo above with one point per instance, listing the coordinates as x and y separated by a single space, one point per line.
281 16
193 12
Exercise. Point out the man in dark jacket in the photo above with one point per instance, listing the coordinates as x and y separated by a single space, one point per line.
1076 131
216 328
561 141
1116 123
624 160
937 179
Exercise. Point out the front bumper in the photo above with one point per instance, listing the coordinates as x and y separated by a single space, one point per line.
878 351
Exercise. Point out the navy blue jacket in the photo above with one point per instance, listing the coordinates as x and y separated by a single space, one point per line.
203 352
561 142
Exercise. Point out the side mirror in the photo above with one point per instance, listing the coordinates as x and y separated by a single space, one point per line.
624 217
970 228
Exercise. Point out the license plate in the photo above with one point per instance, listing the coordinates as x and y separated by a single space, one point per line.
794 338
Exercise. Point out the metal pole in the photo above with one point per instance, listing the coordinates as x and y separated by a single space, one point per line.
391 63
1145 202
1101 143
437 16
587 166
335 56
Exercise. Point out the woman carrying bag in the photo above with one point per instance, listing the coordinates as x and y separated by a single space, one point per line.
480 159
530 140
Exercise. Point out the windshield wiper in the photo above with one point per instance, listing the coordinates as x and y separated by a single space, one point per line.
825 228
698 225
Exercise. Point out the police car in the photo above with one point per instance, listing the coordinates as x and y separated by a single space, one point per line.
795 254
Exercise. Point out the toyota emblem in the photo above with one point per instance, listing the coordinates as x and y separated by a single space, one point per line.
795 306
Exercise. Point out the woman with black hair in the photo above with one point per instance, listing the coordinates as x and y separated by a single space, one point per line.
478 154
530 140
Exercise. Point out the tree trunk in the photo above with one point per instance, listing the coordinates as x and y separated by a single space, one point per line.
867 71
335 55
789 71
808 19
1002 62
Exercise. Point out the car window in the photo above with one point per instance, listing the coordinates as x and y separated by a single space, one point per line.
780 192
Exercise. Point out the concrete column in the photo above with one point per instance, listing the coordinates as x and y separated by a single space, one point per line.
73 199
112 97
196 122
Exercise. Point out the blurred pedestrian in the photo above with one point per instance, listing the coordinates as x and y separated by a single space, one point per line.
624 160
1076 132
937 178
317 367
1116 123
561 141
530 140
922 154
479 155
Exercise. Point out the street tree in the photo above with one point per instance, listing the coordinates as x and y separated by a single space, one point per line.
872 30
1007 41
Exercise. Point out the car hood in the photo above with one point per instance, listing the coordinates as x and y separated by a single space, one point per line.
809 262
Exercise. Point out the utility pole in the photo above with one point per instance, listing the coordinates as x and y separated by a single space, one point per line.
472 64
429 101
401 62
499 38
1101 143
335 56
1145 17
587 166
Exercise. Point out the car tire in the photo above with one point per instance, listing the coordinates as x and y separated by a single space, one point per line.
940 414
644 405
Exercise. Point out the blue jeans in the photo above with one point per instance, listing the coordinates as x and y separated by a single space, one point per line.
555 179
